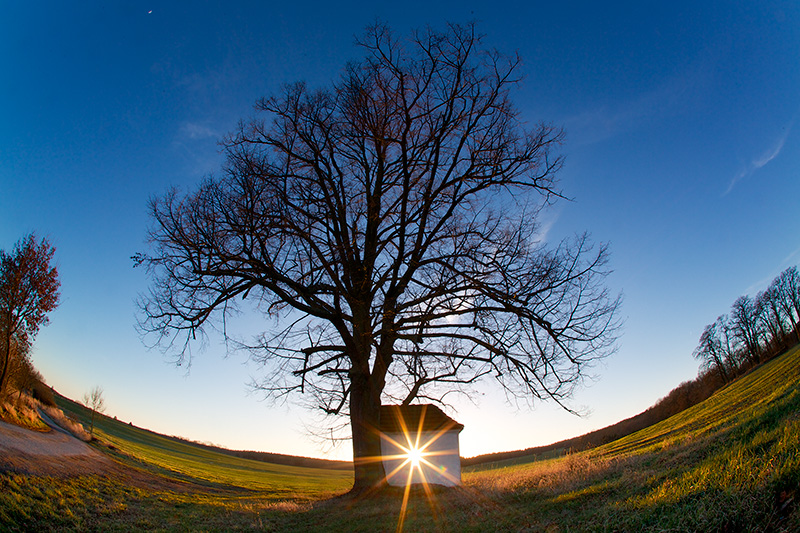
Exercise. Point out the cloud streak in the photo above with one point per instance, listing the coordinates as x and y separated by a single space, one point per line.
607 121
761 161
194 131
671 95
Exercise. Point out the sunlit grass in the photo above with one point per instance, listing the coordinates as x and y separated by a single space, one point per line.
731 463
92 503
20 409
185 461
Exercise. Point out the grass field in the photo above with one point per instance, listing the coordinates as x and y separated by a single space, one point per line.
181 460
731 463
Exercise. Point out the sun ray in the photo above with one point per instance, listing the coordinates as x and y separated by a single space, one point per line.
410 456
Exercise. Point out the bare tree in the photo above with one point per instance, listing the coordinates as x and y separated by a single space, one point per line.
391 222
28 292
727 344
746 327
95 401
712 351
20 375
773 321
788 288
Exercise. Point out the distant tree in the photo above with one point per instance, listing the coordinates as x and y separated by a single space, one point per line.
787 286
94 400
711 351
727 344
41 391
746 327
773 320
28 292
391 221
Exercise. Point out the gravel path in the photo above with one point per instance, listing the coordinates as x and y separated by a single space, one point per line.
58 453
14 439
53 453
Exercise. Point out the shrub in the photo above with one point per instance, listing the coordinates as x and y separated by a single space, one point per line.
40 391
63 421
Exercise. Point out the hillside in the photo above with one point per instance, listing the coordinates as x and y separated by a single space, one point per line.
730 463
113 426
205 465
678 400
583 442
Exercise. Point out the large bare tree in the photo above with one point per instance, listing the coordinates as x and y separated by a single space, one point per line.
390 221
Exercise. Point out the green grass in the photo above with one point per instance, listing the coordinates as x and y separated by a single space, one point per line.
731 463
182 460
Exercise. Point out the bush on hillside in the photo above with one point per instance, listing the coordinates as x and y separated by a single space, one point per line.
40 391
19 408
66 423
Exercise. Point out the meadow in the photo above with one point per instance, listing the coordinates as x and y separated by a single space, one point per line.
730 463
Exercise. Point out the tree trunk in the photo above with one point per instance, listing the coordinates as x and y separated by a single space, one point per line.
364 423
721 368
6 360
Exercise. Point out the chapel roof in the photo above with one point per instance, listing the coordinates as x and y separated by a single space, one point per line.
425 417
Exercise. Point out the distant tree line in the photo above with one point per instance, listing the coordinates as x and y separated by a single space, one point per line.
754 331
682 397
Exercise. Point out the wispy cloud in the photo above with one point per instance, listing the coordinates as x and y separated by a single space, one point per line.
790 259
763 283
547 219
762 160
769 155
196 142
607 121
671 95
195 131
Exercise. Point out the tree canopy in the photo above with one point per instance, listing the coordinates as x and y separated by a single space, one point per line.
28 292
391 221
756 329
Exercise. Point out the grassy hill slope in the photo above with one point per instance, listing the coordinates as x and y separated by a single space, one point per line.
204 465
112 426
731 463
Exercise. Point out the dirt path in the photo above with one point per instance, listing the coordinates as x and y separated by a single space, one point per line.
58 453
53 453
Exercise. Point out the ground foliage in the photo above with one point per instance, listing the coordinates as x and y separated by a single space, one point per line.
731 463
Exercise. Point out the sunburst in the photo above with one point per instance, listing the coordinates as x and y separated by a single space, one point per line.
414 454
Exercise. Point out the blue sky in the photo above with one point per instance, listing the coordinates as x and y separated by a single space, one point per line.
682 151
